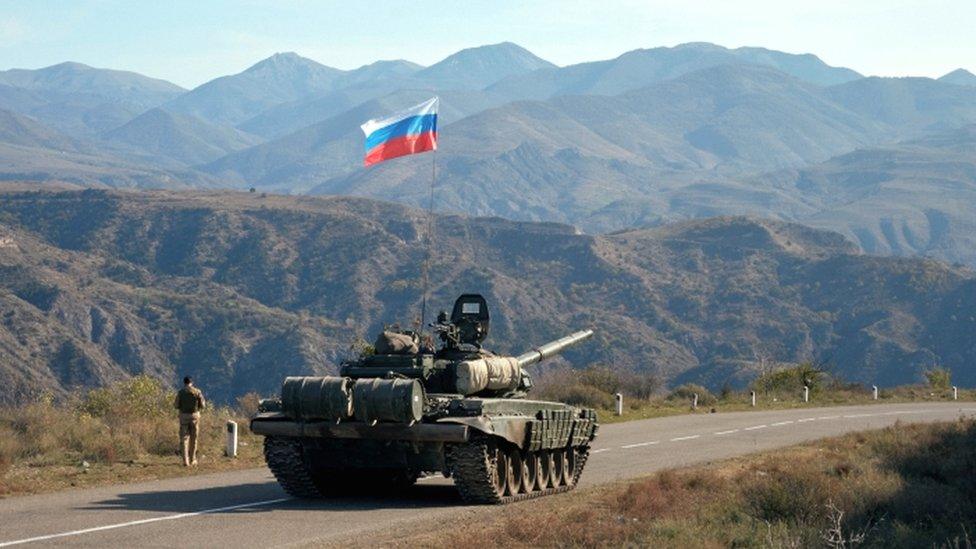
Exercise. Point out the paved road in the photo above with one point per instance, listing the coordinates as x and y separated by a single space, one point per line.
247 509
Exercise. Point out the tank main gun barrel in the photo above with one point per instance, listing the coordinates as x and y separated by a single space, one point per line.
551 349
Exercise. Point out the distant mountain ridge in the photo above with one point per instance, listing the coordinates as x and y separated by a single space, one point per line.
640 68
69 77
960 77
235 98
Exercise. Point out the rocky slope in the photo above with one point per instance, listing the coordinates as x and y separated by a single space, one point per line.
241 289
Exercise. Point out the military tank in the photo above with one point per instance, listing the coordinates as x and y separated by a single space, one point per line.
408 410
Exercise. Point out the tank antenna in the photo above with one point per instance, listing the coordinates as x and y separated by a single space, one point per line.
430 239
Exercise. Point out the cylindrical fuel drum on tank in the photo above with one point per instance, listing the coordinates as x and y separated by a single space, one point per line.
327 397
399 400
497 373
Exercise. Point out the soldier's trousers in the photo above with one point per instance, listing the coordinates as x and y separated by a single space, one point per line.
189 431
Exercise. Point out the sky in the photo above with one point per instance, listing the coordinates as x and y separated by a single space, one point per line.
190 42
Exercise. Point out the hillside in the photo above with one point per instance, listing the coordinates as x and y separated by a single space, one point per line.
241 289
911 198
183 138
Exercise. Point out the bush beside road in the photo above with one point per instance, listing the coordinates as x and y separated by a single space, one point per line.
122 433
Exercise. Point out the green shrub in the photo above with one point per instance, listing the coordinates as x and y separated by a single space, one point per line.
601 378
939 378
640 386
790 381
687 392
586 395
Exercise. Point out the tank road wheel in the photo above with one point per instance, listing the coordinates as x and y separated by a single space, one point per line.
285 457
517 482
566 473
503 472
570 454
531 472
547 473
559 471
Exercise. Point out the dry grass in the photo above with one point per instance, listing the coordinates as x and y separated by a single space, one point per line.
904 486
121 433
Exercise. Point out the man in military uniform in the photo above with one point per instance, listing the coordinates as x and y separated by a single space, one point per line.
190 402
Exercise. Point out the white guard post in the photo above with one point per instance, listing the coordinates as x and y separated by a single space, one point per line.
231 449
620 403
874 389
806 393
753 395
694 402
955 393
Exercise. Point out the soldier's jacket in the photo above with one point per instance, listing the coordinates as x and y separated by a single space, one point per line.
190 400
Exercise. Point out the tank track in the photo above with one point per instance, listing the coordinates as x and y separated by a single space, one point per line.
473 470
286 459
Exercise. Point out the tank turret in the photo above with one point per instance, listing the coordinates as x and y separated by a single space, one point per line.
407 409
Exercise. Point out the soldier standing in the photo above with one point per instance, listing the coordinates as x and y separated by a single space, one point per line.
190 402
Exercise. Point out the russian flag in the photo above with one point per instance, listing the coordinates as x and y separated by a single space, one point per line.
409 131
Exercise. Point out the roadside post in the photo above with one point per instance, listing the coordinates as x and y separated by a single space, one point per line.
806 393
694 402
753 395
955 393
874 389
231 449
619 397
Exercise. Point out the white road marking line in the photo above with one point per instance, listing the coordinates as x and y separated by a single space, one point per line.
639 444
829 417
726 432
685 438
600 450
754 427
780 423
806 419
143 521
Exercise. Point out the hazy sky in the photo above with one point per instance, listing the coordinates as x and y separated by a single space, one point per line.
190 42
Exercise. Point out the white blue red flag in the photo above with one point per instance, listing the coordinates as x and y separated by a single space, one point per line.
409 131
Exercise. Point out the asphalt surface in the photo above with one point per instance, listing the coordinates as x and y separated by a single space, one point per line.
248 509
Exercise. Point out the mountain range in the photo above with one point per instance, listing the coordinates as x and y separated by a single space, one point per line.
650 137
240 289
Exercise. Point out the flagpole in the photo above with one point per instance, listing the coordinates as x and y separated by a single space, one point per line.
430 241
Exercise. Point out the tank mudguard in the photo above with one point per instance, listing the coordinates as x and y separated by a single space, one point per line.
514 429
